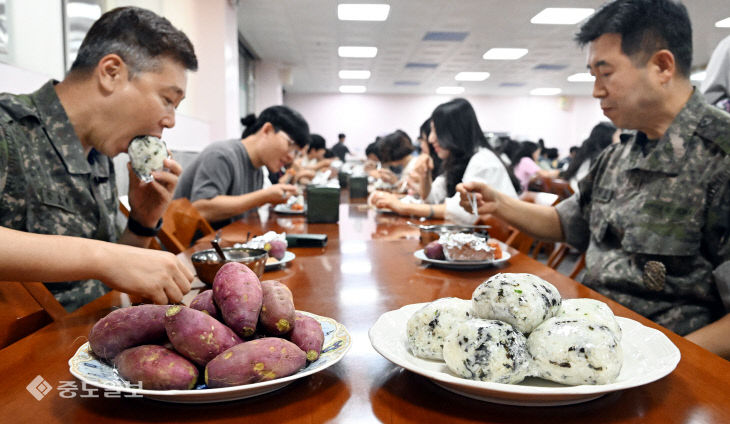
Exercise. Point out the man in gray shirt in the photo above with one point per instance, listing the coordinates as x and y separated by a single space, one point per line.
226 181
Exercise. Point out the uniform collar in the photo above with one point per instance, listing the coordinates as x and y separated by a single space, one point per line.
667 155
60 131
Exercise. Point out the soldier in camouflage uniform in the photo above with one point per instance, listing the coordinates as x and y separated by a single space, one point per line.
56 172
653 214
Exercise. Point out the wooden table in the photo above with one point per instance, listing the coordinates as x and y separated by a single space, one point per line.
366 269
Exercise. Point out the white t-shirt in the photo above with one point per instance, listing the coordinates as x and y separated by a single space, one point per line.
484 167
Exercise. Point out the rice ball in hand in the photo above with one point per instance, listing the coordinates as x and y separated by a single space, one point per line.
146 155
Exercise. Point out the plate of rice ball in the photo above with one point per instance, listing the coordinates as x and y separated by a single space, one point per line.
517 342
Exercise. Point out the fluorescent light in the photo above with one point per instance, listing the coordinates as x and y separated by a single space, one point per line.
354 74
450 90
352 89
545 91
698 76
357 51
504 54
363 12
561 15
725 23
582 77
471 76
83 10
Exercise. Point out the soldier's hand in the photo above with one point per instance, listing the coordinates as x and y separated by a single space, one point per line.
148 201
152 274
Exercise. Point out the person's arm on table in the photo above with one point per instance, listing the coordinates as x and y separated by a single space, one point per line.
222 207
714 337
385 200
152 274
538 221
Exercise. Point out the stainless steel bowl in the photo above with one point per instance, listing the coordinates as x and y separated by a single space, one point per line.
207 262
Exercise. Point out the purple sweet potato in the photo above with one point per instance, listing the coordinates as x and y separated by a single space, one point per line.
308 335
434 250
238 294
156 367
277 310
196 335
254 361
127 327
204 303
278 249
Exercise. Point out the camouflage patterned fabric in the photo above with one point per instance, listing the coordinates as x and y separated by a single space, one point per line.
49 186
653 218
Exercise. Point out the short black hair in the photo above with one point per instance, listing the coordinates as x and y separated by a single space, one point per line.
140 37
573 149
645 26
340 136
282 118
395 146
316 142
374 148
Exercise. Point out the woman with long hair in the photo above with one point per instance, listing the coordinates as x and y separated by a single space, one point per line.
525 167
459 142
602 135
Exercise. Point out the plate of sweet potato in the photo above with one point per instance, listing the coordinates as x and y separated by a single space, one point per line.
241 339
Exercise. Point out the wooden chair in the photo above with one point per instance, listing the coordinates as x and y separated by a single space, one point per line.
180 223
499 229
556 258
24 309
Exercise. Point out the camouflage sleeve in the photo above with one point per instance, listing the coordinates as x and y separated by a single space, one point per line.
717 230
575 226
3 157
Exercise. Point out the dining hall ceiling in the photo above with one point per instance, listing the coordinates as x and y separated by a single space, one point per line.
302 37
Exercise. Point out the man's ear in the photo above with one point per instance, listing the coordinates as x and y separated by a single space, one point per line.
267 128
111 70
664 64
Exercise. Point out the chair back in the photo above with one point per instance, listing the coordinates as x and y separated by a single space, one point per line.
24 309
179 225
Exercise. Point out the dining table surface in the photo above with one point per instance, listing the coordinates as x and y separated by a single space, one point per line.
366 269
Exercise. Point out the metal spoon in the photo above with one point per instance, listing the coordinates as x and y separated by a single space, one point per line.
216 245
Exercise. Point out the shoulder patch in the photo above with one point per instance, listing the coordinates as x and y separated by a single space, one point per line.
715 126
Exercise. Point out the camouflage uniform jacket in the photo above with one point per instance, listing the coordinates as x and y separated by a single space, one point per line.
653 218
49 186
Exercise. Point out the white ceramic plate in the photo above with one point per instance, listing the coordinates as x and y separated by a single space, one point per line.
288 257
283 209
648 356
420 254
93 371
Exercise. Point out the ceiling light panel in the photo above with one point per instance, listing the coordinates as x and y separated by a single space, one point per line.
561 15
545 91
581 77
500 53
357 51
354 74
471 76
725 23
450 90
352 89
363 12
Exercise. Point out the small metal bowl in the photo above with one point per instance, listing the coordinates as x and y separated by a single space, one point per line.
207 262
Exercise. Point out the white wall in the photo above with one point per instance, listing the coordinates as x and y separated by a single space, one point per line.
561 122
267 85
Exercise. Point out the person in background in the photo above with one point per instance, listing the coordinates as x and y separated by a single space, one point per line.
428 156
226 181
525 167
565 162
653 213
306 167
395 151
459 141
602 136
507 148
339 149
716 85
57 177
